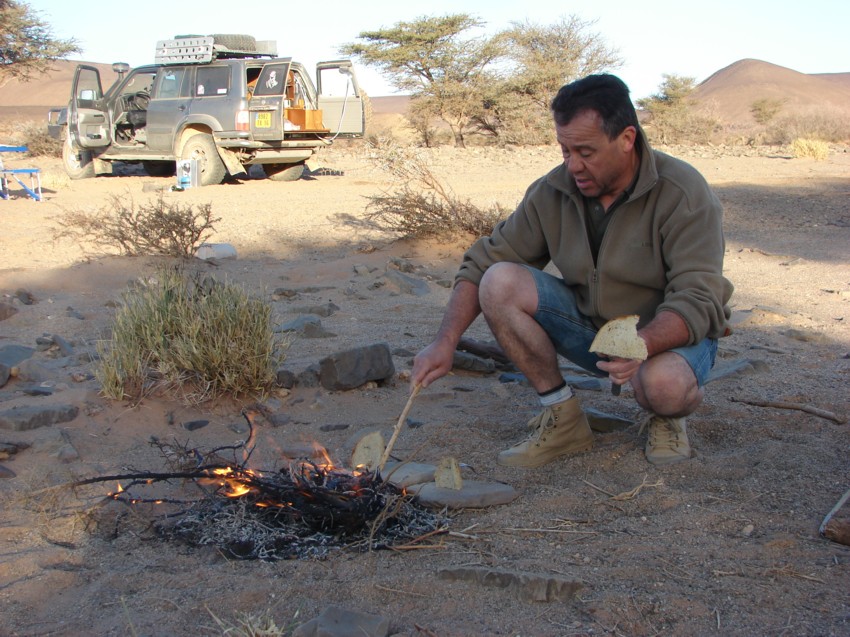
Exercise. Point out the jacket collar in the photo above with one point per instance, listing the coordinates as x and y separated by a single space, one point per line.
559 179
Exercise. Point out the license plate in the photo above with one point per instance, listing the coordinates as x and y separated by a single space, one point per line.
264 120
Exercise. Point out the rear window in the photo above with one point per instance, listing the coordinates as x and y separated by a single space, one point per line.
212 80
272 80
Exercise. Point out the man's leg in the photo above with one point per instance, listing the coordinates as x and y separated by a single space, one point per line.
670 386
509 301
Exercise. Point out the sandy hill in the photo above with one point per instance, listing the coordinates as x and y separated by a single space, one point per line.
731 91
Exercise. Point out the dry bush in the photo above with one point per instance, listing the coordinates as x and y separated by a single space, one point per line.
422 205
158 227
825 125
189 336
253 625
810 148
37 140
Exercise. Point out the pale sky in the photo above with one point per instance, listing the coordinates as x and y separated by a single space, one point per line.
654 37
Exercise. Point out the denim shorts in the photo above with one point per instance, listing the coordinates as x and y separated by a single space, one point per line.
572 332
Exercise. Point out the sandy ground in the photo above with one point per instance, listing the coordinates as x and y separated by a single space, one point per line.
725 544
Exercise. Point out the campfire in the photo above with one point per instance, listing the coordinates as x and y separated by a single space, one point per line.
304 509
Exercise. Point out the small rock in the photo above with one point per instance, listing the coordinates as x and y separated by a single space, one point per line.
352 368
309 377
604 422
28 417
194 425
326 310
329 428
72 313
25 296
405 284
806 336
13 355
285 378
402 265
472 363
6 472
747 531
585 382
740 367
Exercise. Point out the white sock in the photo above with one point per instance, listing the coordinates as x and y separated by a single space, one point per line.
557 395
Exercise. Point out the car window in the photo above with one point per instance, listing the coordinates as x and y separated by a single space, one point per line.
272 80
169 83
212 80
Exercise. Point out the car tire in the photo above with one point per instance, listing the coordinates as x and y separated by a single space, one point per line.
78 163
160 168
211 168
284 172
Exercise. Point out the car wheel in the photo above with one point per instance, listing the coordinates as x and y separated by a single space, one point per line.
284 172
77 162
211 168
159 168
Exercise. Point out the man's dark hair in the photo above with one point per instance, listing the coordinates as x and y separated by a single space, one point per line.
606 94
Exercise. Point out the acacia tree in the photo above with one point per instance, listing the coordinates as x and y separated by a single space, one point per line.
436 61
27 45
672 117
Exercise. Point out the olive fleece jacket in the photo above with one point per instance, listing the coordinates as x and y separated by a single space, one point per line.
662 251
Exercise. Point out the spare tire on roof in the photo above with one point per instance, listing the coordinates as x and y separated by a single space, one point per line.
235 41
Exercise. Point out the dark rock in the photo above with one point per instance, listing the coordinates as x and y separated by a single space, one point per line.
338 622
284 293
405 284
193 425
308 326
309 377
472 363
44 343
585 382
25 296
63 345
38 390
276 419
239 427
403 353
513 377
72 313
34 372
5 374
530 587
402 265
329 428
352 368
413 424
285 378
7 310
13 355
6 472
25 418
326 310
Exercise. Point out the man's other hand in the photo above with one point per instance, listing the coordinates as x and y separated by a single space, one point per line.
433 362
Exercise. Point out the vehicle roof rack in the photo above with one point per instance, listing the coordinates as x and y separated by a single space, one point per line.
205 49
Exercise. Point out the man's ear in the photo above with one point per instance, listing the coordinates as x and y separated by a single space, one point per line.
627 138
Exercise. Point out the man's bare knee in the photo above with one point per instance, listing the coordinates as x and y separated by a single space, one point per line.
507 285
666 385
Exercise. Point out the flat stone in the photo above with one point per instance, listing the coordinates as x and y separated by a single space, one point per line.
472 363
12 355
404 284
7 310
325 310
339 622
588 383
194 425
6 472
5 373
606 423
529 587
28 417
806 336
474 494
404 475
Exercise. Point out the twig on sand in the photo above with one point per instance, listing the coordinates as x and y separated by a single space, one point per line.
815 411
626 495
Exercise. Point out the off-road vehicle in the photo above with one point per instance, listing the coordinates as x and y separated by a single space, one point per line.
227 101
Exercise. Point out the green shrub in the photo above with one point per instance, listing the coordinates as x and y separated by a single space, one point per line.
765 109
190 336
810 148
158 227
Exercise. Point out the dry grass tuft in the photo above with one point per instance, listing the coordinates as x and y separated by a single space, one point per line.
422 205
157 227
253 625
192 337
810 149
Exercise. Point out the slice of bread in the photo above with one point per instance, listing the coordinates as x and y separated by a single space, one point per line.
619 338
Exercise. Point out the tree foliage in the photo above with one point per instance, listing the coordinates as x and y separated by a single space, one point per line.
672 116
27 44
499 85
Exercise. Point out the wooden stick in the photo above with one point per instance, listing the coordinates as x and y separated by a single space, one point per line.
815 411
398 426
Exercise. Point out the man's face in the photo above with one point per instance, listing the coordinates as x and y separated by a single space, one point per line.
602 168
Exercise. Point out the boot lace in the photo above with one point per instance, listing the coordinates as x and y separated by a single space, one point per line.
664 432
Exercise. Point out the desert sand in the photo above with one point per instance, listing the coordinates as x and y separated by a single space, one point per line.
724 544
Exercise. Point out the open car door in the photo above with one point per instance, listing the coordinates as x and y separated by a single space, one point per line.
341 99
88 119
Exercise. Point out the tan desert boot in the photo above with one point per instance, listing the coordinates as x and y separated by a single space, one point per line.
557 431
667 442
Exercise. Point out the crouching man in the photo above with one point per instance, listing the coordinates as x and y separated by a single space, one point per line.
630 231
